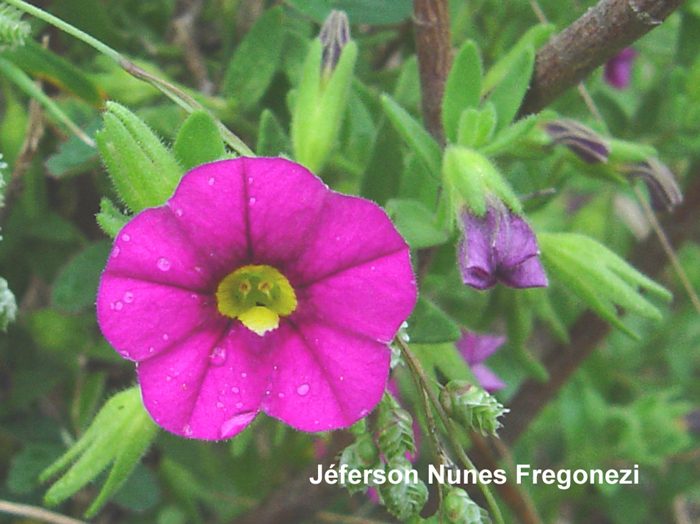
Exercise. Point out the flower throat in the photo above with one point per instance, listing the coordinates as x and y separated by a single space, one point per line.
257 296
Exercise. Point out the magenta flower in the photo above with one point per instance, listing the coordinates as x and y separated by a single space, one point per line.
499 246
618 70
476 349
256 288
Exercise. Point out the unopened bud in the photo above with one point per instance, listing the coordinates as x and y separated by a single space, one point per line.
585 143
472 407
335 34
664 191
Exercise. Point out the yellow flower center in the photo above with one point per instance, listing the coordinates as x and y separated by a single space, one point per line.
257 296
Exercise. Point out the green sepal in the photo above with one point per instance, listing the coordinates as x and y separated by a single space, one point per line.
120 434
476 126
472 407
470 178
600 278
144 172
415 135
509 136
507 96
428 324
256 59
462 89
625 152
406 499
110 219
458 508
416 223
394 429
319 106
198 141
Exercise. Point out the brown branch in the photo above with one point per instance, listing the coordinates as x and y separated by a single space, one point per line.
602 32
431 23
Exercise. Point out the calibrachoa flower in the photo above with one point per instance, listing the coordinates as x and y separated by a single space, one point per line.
476 349
256 288
618 70
499 246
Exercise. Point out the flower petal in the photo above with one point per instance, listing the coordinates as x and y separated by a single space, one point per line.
211 205
209 386
154 247
371 299
515 240
529 273
350 231
141 319
325 378
475 250
488 380
476 348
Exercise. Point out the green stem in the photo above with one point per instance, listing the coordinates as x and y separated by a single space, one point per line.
178 96
417 371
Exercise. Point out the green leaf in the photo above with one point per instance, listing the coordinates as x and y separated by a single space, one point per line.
74 155
416 223
256 60
508 95
46 65
370 12
110 219
8 305
463 88
508 136
26 466
600 277
75 287
272 139
428 324
143 171
120 434
198 141
415 135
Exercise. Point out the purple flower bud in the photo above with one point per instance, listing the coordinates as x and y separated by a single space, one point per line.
618 70
499 246
335 34
585 143
663 189
476 349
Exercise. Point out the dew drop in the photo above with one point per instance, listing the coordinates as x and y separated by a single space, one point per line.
187 430
166 336
168 378
244 375
178 212
111 305
236 423
115 251
151 349
252 201
235 389
198 269
118 306
218 356
128 297
280 395
126 237
303 389
250 179
163 264
219 405
211 181
364 413
239 405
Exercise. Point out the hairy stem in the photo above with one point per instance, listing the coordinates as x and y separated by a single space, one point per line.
602 32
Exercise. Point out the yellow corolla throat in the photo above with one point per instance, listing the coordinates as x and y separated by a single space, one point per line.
257 296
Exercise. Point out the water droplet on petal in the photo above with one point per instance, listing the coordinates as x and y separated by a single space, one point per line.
126 237
218 356
239 405
168 378
250 179
364 413
187 430
211 181
198 269
280 395
235 389
244 375
115 251
303 389
178 212
236 423
128 297
219 405
163 264
118 306
151 349
252 201
166 336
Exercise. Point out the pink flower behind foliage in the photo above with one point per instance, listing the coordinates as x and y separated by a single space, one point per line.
256 288
618 70
476 349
